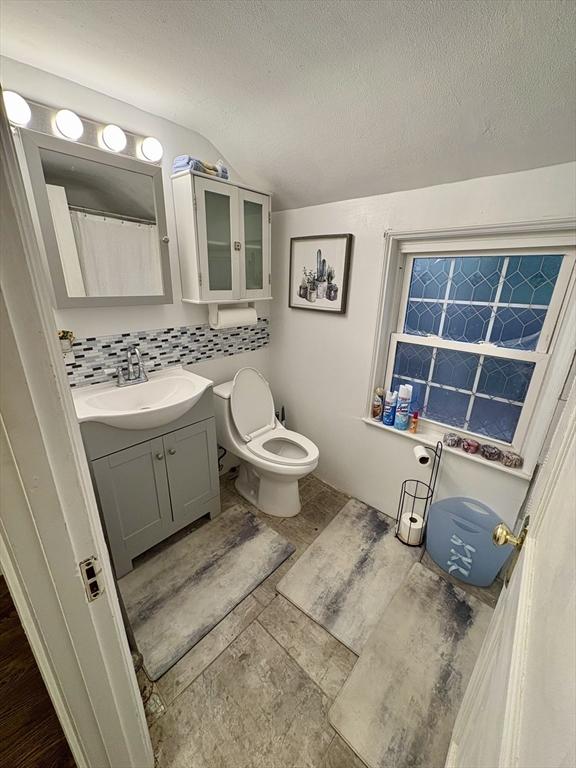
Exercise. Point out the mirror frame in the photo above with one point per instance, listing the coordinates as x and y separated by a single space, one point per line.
32 143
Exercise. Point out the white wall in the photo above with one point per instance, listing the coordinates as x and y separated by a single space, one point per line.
55 91
320 363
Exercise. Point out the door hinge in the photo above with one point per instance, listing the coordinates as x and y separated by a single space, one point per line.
269 217
194 203
90 576
199 278
269 279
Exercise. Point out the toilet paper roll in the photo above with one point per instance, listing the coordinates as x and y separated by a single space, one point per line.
411 529
233 317
422 455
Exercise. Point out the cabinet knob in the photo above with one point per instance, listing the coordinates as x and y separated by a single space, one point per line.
160 456
171 451
165 239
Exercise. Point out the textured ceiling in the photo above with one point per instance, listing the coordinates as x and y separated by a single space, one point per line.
321 100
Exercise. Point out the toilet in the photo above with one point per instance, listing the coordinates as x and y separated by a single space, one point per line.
272 458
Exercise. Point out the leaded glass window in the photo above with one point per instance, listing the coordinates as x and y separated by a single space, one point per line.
471 392
470 336
501 300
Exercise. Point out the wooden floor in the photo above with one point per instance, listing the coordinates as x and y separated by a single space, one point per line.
30 733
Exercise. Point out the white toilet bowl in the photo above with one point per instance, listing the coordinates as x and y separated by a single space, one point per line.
272 458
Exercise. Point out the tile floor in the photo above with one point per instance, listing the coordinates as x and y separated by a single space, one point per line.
255 692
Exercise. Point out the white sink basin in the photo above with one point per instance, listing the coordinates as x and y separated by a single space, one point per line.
166 396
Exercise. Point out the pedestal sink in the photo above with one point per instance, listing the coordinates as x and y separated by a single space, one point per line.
165 397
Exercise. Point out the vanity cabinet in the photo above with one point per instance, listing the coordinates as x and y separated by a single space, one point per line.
148 491
223 240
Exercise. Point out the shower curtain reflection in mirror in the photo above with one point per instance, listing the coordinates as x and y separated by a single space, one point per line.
104 255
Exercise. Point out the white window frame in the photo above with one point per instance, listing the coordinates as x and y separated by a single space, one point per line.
556 341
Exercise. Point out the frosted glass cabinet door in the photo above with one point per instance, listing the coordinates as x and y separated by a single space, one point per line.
218 239
255 261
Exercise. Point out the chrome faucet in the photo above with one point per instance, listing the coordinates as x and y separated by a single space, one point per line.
135 374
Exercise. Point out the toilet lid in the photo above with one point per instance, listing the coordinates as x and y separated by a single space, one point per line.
251 403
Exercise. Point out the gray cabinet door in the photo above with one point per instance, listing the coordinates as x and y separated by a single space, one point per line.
134 500
192 464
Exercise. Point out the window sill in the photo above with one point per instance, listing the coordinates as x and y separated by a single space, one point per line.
430 438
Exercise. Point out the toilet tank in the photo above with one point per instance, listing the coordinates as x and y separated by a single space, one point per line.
222 394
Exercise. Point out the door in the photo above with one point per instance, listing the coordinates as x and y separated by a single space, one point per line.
520 706
192 464
49 521
218 239
134 499
255 239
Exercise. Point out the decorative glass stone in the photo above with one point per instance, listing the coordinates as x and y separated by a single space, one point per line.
490 452
511 459
452 440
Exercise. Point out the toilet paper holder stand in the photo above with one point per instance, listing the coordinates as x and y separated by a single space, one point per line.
414 503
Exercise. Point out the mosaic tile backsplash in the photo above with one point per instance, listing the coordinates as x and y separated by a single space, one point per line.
161 347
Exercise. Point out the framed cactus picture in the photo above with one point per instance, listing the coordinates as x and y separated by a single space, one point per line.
319 268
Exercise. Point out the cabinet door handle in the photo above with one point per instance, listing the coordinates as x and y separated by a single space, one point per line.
171 451
160 456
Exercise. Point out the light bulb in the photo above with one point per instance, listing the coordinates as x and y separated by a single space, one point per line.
114 138
151 149
69 124
17 108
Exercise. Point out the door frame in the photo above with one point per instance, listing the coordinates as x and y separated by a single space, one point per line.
49 520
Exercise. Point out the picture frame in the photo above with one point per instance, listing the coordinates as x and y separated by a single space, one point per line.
319 272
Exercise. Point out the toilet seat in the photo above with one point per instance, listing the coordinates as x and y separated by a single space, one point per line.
277 445
252 409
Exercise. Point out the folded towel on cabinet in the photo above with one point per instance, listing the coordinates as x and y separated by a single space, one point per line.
188 163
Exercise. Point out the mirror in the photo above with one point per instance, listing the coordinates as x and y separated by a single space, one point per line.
102 221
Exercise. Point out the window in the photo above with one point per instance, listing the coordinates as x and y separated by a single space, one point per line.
474 330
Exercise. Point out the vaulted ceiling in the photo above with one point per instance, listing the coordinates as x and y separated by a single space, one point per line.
322 100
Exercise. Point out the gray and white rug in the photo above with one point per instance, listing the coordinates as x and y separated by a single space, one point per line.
422 654
349 574
179 594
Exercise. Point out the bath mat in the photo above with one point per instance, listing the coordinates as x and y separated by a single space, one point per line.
179 594
421 656
349 574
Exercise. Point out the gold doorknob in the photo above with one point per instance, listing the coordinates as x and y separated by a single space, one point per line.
502 535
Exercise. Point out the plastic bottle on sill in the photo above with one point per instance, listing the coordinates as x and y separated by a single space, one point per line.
389 408
377 404
402 418
414 423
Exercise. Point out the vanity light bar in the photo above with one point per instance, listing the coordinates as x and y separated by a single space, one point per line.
68 125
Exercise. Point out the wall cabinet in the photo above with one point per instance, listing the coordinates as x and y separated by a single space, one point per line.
148 491
223 240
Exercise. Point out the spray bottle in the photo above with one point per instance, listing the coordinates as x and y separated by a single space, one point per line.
402 418
389 408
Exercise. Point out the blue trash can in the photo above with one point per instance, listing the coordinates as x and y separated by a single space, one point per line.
459 540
